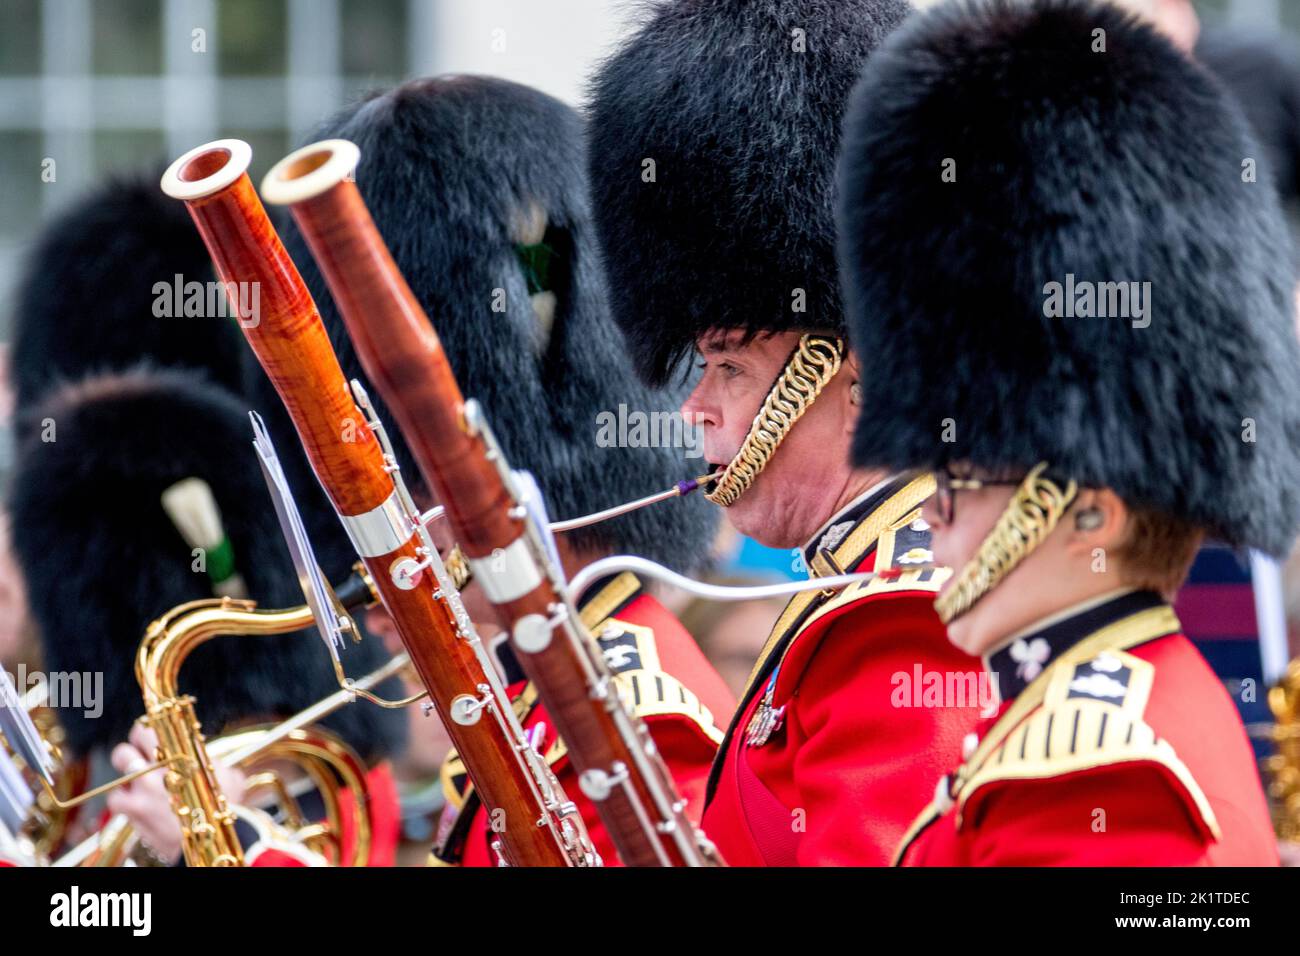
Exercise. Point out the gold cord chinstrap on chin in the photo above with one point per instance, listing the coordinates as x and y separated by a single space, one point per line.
1036 507
813 364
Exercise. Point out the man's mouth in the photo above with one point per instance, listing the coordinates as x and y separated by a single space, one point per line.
715 468
711 473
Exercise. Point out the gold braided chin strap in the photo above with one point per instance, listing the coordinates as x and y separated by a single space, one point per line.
813 364
1036 507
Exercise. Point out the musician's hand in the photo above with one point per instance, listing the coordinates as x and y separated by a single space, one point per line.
146 803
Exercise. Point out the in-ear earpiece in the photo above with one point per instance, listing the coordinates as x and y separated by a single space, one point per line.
855 393
1089 519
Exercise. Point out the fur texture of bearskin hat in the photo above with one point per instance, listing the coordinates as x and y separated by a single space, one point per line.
86 297
712 155
990 152
457 172
101 558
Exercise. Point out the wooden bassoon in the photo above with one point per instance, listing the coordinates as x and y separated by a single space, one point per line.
346 451
618 766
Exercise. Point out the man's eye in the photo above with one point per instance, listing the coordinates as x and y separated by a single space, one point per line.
729 370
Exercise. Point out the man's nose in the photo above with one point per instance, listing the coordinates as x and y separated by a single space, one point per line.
698 409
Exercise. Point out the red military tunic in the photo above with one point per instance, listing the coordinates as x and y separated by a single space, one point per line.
668 682
1116 746
834 750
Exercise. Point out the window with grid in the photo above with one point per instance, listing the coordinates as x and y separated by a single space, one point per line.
103 85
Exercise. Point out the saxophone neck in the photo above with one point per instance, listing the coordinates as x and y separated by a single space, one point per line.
171 639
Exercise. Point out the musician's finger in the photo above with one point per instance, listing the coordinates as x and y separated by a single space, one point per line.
144 738
125 758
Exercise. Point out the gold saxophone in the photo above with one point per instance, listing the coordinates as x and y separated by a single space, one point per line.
321 757
207 821
329 763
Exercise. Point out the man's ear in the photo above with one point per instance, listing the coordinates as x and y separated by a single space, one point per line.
851 372
1097 520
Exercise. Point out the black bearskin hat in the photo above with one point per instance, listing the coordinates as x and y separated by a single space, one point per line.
477 186
1053 253
712 155
102 559
89 299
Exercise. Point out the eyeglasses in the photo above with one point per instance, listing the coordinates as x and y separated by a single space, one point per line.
947 486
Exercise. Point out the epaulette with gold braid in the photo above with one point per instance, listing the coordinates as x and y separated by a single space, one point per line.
905 542
1091 716
1081 735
